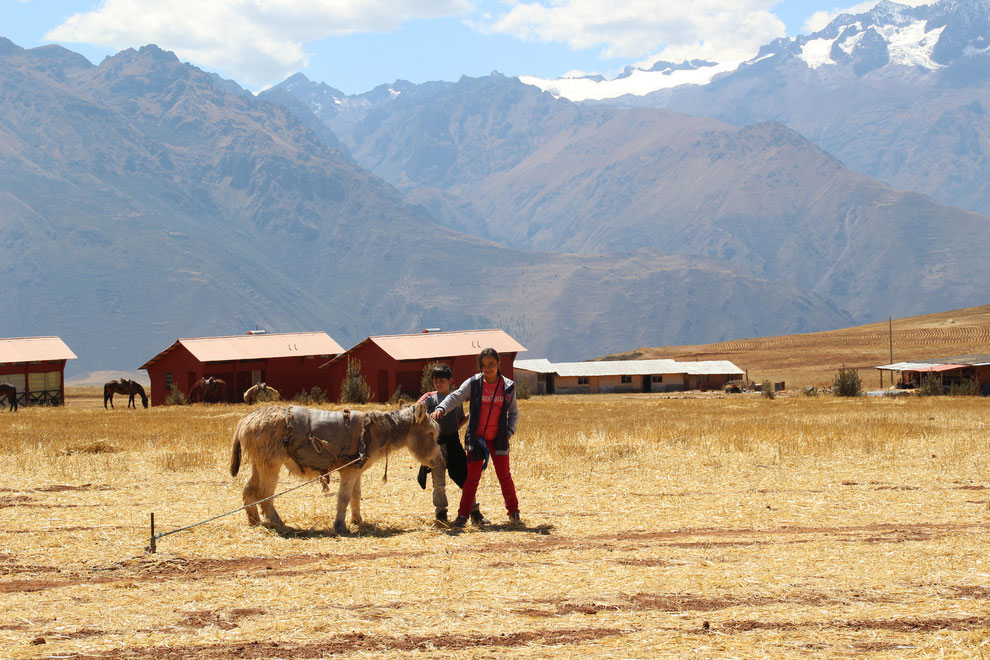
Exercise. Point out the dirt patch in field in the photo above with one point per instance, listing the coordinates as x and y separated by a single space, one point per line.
906 625
75 528
14 500
666 603
223 620
62 488
359 643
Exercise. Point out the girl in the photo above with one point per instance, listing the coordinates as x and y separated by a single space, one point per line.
492 421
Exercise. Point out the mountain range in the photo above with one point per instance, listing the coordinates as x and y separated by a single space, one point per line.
899 93
144 199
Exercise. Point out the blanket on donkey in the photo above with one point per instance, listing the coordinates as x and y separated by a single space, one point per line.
324 439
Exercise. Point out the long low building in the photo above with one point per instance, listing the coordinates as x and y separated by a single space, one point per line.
544 377
287 361
951 370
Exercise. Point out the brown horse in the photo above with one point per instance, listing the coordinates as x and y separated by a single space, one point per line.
208 390
9 391
124 386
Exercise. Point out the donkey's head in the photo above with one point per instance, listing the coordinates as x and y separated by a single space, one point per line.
421 437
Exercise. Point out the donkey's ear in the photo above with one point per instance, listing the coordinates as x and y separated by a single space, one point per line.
420 412
403 404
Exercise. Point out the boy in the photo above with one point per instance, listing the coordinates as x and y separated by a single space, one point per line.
450 447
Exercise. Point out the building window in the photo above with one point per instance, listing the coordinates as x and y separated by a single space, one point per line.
627 379
583 380
169 381
656 379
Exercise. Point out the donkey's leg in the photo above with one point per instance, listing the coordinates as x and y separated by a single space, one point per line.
344 493
356 500
262 484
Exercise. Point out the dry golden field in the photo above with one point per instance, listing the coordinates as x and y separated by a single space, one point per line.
814 358
654 527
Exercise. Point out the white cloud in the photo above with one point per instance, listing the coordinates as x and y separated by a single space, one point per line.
820 19
257 41
648 29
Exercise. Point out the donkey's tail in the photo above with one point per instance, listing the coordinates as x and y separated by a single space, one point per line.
235 456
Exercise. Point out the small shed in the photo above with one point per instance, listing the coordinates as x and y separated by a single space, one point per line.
544 377
36 367
289 362
951 371
396 362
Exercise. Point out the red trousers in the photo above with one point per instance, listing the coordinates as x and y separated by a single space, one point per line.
470 489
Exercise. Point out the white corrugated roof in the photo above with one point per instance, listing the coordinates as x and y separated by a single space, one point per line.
907 366
629 367
34 349
431 345
539 366
255 347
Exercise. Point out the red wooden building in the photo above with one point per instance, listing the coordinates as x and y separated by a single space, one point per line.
289 362
36 367
389 362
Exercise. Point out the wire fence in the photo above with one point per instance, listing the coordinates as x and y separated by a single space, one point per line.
153 545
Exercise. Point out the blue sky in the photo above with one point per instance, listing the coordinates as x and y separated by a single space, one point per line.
355 45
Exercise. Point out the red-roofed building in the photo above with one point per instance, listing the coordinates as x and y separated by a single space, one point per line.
289 362
36 367
390 362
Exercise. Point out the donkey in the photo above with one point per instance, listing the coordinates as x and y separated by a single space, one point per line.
124 386
311 442
9 391
260 392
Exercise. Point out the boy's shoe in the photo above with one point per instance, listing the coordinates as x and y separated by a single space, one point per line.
479 519
514 518
459 522
442 515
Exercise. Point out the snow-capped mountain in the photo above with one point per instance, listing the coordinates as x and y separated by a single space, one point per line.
925 39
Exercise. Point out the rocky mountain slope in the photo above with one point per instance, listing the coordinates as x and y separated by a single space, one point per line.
504 160
143 200
900 93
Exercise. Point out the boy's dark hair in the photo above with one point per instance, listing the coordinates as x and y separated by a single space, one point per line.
488 352
442 371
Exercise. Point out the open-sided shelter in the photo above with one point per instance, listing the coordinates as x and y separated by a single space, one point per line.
544 377
289 362
950 371
36 367
391 362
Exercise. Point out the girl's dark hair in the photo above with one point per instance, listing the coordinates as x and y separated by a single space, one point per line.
488 352
441 371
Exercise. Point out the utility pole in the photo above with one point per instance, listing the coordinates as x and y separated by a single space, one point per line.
890 335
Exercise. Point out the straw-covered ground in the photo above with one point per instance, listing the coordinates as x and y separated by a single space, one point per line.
737 526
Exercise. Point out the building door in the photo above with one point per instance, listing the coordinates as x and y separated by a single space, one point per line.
383 394
550 383
647 383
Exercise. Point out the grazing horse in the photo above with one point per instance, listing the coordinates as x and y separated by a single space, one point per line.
9 391
208 390
260 392
312 442
124 386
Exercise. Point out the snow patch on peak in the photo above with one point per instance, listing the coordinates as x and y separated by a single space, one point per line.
817 52
635 82
911 45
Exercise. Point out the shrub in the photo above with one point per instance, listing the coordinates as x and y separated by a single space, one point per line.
316 395
767 390
354 389
398 396
847 383
931 385
175 398
522 390
967 387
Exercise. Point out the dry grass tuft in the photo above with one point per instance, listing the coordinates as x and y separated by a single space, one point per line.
670 527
